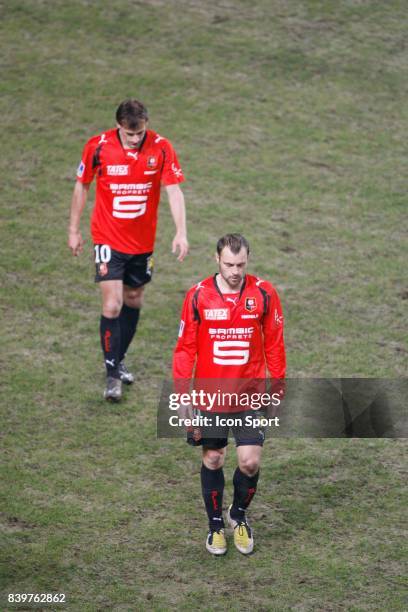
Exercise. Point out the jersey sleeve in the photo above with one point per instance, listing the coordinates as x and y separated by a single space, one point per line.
86 170
172 172
272 327
186 348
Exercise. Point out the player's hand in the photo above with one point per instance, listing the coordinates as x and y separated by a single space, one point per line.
75 242
278 388
194 436
180 244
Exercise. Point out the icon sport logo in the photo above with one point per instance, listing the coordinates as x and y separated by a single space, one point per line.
250 304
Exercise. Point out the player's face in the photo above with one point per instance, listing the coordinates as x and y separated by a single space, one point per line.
132 139
232 267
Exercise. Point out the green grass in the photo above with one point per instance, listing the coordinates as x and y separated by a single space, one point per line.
289 119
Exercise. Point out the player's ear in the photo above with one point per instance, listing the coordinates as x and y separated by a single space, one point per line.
217 258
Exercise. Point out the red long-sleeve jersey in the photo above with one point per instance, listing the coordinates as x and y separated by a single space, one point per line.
225 337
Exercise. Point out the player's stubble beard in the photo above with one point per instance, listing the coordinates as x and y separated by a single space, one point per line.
234 285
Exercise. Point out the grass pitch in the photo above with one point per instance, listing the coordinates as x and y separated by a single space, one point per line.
289 119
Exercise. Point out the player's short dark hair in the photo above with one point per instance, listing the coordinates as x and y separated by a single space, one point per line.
130 113
235 242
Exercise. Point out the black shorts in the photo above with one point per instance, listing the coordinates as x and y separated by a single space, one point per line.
133 270
215 436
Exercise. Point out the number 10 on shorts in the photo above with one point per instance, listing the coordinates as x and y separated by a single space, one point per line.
102 253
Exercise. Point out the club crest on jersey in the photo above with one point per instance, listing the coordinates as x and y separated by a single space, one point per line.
122 170
250 304
151 161
216 314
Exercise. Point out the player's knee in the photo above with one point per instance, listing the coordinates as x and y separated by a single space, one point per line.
111 308
133 297
213 459
249 466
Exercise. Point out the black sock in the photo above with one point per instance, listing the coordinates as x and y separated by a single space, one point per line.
110 341
212 487
128 322
244 490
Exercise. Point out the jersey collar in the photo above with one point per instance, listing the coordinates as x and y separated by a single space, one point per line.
219 291
139 149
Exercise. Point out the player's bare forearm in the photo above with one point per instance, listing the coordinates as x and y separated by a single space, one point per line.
78 202
178 211
79 197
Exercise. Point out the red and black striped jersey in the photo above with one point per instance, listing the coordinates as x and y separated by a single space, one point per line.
128 185
225 337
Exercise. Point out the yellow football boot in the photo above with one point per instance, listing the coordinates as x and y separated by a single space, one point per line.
243 538
216 543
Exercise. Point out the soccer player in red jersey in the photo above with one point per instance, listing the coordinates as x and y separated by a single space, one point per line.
130 163
231 328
